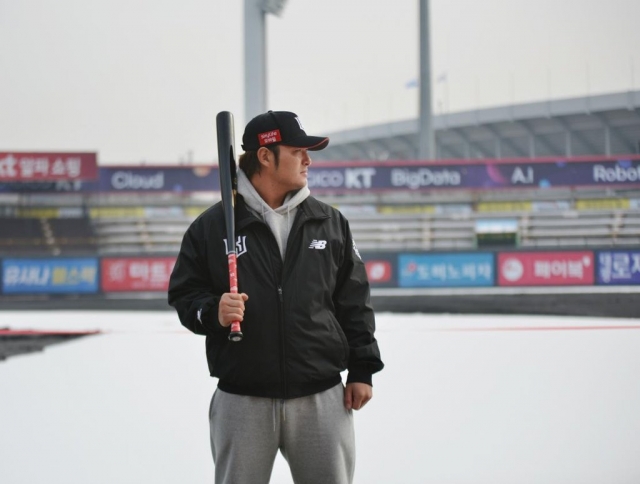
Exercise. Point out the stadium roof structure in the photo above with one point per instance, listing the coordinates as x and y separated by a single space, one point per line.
607 124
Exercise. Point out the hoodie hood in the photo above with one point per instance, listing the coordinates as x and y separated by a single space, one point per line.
279 220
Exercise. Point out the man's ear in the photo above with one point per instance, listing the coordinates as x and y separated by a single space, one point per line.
265 156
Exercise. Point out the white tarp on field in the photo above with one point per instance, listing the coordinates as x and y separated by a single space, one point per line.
543 406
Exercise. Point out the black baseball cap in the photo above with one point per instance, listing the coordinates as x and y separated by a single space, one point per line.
279 128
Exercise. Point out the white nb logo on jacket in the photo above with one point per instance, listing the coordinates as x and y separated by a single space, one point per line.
318 244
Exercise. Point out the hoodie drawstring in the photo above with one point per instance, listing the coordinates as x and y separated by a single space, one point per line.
283 404
274 415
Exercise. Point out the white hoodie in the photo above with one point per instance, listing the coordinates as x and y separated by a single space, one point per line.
279 220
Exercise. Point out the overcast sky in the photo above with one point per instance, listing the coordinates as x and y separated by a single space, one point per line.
142 80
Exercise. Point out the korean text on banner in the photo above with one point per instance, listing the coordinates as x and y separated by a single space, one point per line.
618 267
39 167
136 274
545 268
56 276
446 270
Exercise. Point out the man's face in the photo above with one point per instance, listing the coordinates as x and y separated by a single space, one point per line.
290 172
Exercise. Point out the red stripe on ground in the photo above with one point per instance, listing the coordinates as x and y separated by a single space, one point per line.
30 332
543 328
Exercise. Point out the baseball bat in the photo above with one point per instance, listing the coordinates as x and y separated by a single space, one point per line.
229 188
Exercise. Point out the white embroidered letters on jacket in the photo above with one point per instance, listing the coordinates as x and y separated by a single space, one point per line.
241 245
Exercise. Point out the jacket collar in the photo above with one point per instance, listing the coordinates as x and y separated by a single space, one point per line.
313 209
310 209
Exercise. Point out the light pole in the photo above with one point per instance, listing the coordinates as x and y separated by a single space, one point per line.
426 137
255 53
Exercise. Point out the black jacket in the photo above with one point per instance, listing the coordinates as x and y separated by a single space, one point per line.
307 318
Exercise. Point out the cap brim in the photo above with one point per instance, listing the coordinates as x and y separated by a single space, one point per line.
312 143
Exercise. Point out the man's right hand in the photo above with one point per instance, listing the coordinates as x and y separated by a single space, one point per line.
231 308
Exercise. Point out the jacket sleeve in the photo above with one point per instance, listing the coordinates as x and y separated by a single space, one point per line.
355 314
190 286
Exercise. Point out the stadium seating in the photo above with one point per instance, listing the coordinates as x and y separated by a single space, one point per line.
111 230
140 235
43 236
576 229
22 236
73 235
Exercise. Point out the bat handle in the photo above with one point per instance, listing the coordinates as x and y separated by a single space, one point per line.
236 332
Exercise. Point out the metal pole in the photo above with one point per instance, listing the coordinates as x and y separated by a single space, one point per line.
426 137
255 59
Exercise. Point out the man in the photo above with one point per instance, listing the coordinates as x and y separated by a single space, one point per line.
304 306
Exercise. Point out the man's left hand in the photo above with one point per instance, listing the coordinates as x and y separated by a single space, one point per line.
356 395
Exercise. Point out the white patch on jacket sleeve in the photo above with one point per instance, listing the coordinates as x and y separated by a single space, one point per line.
355 249
199 316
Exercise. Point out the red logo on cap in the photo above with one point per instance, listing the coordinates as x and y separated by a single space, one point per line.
269 137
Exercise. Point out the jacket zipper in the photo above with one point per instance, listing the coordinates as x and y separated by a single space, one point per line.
283 269
282 343
292 235
278 281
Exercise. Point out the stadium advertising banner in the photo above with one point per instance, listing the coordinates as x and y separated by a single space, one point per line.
545 268
129 179
485 174
136 274
524 206
53 276
618 267
381 269
159 179
37 167
446 270
139 212
333 177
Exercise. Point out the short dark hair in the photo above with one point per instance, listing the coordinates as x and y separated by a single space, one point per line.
249 161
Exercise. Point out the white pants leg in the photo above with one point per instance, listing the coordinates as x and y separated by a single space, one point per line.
314 433
318 438
243 441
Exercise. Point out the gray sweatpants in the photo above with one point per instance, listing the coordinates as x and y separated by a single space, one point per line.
315 435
